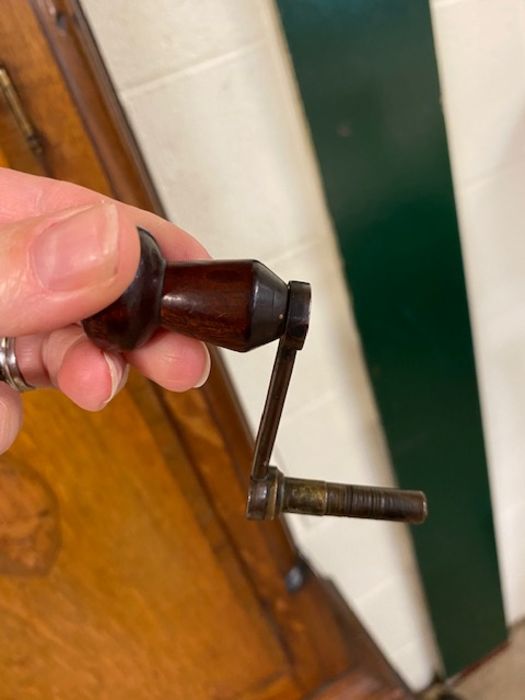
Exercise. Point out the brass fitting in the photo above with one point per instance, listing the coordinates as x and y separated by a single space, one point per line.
276 494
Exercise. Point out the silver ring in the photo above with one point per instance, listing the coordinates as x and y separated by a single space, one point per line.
9 370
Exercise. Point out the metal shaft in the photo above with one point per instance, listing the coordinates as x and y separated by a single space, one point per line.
273 409
323 498
297 316
271 493
279 494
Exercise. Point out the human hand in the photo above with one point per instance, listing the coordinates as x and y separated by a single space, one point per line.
65 253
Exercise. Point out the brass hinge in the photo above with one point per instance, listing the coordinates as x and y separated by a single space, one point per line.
17 110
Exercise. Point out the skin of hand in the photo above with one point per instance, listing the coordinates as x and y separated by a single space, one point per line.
65 253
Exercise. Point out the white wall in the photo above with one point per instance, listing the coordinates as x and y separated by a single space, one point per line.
481 53
209 92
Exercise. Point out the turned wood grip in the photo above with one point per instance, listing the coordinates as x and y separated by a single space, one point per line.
238 304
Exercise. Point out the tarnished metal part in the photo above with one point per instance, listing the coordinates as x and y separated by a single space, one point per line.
17 109
264 496
297 318
278 494
271 493
325 498
296 577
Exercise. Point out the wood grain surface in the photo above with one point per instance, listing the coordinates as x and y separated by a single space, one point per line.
144 591
68 154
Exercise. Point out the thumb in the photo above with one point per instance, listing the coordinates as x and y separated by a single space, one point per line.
62 267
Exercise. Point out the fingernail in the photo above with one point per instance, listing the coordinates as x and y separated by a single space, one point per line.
79 249
206 373
117 374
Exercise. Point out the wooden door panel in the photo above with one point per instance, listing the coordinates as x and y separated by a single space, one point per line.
141 602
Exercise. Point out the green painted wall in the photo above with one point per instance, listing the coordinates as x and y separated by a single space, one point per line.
367 74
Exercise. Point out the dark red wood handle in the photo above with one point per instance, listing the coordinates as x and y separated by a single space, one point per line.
238 304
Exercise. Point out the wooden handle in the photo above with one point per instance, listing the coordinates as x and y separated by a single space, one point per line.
237 304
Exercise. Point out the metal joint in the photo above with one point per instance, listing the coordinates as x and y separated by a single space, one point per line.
270 492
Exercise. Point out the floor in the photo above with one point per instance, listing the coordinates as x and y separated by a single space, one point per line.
500 678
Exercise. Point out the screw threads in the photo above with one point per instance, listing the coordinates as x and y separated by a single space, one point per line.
346 500
279 494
